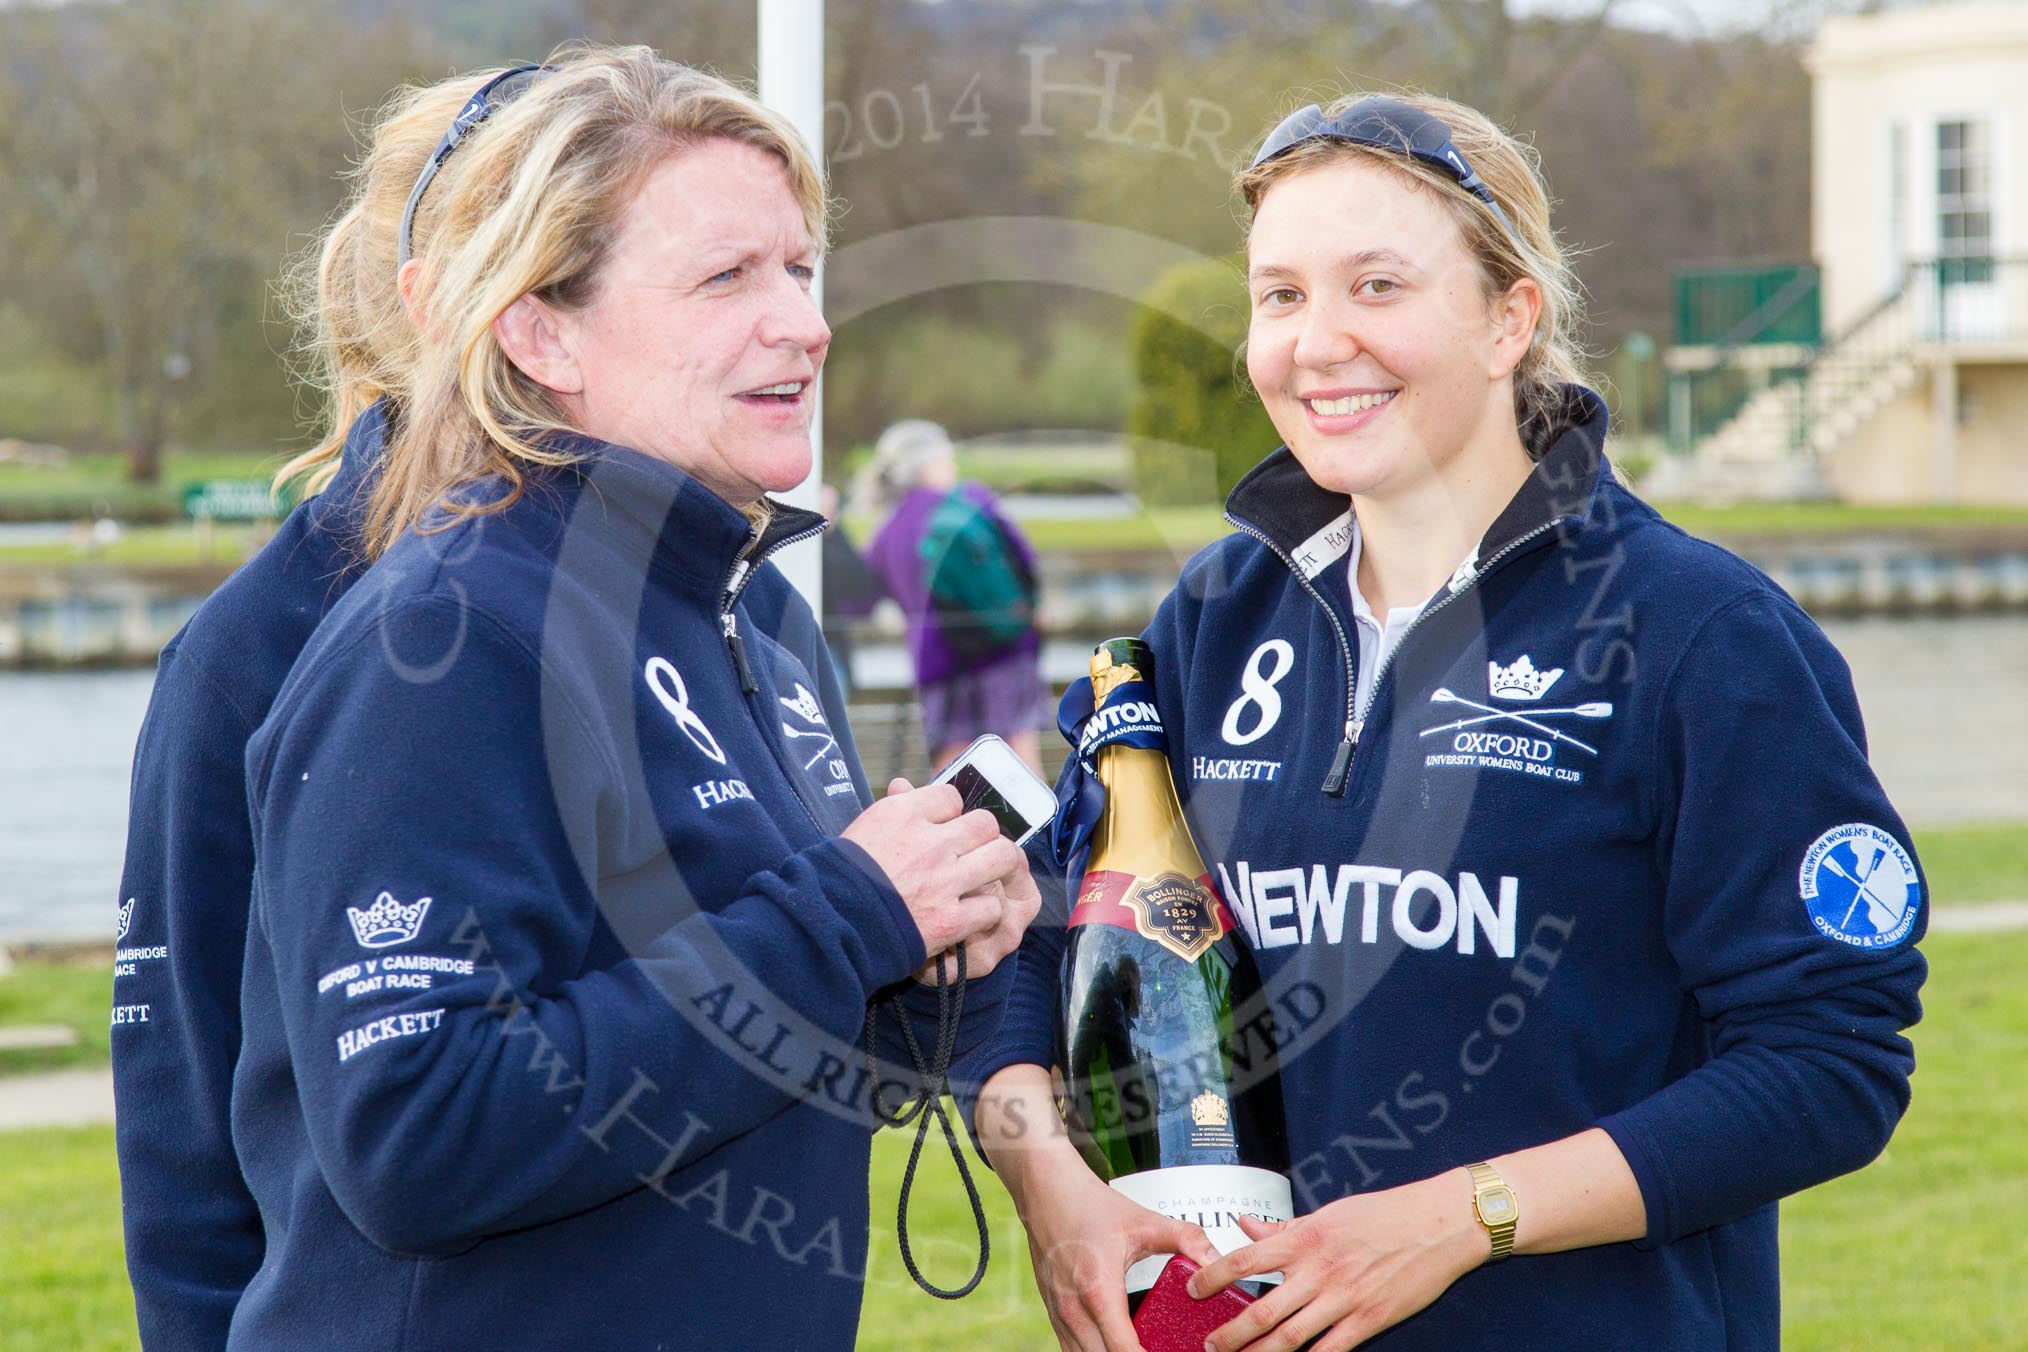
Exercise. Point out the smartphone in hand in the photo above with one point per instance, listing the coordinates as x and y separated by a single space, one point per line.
989 775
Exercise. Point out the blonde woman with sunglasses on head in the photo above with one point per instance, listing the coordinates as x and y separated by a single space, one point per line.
1558 821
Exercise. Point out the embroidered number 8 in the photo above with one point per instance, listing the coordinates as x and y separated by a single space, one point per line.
1258 690
668 686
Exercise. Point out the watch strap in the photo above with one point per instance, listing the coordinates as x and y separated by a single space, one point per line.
1506 1212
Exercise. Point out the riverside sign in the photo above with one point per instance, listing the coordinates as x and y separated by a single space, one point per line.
232 500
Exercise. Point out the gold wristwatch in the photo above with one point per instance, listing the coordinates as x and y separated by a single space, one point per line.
1493 1202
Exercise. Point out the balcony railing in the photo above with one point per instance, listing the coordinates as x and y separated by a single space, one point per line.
1735 306
1949 303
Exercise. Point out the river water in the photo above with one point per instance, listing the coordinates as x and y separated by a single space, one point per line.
1946 703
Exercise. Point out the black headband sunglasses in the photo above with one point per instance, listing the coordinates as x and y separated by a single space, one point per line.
1384 124
488 99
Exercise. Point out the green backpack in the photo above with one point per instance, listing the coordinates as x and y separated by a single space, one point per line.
981 592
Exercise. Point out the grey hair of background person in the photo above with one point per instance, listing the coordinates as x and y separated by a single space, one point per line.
900 457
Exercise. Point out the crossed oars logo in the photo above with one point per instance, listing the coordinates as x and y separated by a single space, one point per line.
1879 912
1489 714
805 706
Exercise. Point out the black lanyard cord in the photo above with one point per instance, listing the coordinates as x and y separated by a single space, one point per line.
920 1108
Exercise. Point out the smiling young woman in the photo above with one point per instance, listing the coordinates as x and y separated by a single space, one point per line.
1591 975
1406 356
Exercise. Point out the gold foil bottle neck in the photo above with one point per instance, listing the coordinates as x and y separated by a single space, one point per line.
1117 661
1142 831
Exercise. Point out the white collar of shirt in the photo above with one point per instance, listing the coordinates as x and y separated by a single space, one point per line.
1377 637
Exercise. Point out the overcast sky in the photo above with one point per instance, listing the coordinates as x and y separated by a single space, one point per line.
1793 18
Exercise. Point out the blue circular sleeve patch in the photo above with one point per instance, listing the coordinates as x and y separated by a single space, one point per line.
1860 886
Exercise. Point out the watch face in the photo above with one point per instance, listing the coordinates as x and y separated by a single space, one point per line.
1496 1206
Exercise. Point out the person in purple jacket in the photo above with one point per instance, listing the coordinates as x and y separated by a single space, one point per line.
964 692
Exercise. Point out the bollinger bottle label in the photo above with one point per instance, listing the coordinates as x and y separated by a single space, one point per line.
1184 915
1212 1197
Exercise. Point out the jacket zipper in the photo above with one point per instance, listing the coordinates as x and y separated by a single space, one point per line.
1341 763
747 684
1355 715
1458 587
743 569
735 582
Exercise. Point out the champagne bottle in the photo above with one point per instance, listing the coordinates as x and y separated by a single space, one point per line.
1163 1101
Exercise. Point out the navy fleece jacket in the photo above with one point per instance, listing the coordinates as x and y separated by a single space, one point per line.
558 966
193 1232
1602 850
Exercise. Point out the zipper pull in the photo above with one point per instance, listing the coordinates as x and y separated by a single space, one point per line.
747 684
1341 764
741 566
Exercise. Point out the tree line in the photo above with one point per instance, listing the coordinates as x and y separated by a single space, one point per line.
161 160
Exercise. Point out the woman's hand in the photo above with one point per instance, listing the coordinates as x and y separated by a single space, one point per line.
1359 1265
953 868
1082 1235
1082 1238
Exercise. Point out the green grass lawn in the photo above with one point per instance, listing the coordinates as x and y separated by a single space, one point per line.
143 546
1096 467
1180 531
1824 518
1920 1251
98 485
76 993
1184 530
1976 863
103 473
1923 1249
899 1316
63 1270
63 1278
92 485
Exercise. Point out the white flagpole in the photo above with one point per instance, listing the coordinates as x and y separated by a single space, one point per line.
792 83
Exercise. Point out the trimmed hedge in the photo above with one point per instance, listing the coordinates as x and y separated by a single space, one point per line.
1196 426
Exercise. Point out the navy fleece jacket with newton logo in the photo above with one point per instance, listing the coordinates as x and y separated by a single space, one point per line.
558 967
1601 849
193 1232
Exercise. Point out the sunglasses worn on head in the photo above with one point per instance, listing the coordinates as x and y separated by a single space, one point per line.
1384 124
488 99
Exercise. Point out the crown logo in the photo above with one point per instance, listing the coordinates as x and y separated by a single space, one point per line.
806 705
1520 681
1209 1110
387 922
126 920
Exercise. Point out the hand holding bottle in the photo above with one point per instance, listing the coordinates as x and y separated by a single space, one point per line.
1359 1265
1368 1261
1082 1235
